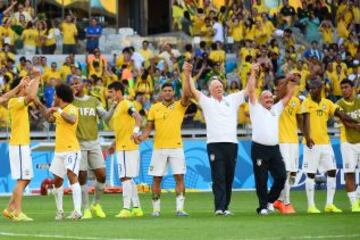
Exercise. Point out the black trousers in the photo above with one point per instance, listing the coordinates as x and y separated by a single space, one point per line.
267 159
222 157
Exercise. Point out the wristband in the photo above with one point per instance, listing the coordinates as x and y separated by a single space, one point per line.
136 130
60 111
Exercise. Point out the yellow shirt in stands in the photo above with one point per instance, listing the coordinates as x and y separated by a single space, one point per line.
123 125
50 38
319 115
65 133
327 35
288 128
64 71
335 79
20 124
30 37
146 54
69 32
167 121
217 56
51 74
237 32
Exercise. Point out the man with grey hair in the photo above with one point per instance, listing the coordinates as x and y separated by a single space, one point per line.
220 114
265 151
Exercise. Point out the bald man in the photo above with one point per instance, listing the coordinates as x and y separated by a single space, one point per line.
265 151
220 114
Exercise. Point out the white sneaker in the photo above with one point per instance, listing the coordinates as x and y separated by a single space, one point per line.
270 208
264 211
228 213
219 213
155 214
59 215
74 216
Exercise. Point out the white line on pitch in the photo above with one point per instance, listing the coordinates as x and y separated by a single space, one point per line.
346 236
9 234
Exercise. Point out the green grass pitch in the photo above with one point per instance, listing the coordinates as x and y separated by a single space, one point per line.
201 224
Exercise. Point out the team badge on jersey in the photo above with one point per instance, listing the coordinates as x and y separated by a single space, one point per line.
324 106
212 157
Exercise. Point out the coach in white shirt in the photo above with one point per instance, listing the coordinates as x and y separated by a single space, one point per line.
220 114
265 152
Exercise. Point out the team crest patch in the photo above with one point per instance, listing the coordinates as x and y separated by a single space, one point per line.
258 162
324 107
293 104
151 168
212 157
227 104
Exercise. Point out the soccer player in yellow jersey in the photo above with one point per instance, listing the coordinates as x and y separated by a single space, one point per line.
126 123
67 149
19 149
290 120
318 153
165 118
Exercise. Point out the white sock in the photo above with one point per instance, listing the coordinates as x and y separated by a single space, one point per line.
358 192
99 190
286 192
135 195
180 200
352 197
84 196
76 195
156 205
310 191
59 193
127 193
331 187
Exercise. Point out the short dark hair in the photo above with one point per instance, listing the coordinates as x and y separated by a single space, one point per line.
117 86
64 92
347 81
15 82
167 85
278 78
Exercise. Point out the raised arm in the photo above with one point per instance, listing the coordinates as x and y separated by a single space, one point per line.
251 86
32 90
106 115
291 85
192 91
5 97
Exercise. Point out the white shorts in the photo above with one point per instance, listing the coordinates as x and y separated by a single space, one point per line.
65 161
128 163
320 157
162 158
351 156
20 162
290 155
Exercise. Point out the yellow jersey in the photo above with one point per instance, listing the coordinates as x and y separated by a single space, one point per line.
288 122
69 32
30 37
123 125
65 133
167 121
20 124
319 115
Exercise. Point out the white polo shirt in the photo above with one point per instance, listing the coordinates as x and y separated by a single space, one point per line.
265 123
221 117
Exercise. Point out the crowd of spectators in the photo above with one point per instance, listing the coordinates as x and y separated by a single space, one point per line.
316 40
